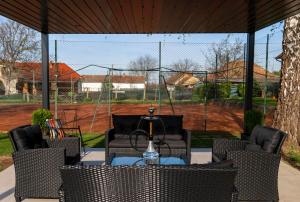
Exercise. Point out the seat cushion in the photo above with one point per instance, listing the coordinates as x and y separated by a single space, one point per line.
125 143
21 139
169 137
217 165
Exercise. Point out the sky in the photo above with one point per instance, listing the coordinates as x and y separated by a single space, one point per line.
118 50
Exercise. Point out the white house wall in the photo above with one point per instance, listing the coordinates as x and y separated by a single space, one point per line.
119 86
95 87
91 87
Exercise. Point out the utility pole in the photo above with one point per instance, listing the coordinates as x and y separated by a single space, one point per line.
159 79
71 89
266 75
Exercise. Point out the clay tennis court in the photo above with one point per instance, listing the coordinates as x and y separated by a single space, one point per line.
219 118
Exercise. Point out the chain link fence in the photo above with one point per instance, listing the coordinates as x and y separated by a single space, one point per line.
205 82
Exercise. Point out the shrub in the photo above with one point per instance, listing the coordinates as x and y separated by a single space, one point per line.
241 90
257 90
40 116
253 118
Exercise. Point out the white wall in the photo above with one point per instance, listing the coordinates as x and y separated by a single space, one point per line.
119 86
91 87
95 87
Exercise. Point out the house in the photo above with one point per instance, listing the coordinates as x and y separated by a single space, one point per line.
94 83
186 80
235 72
28 78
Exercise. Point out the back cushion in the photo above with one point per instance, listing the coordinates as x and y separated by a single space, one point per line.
35 133
21 140
268 138
173 124
125 124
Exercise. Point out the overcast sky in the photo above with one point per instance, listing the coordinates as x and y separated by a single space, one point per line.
118 50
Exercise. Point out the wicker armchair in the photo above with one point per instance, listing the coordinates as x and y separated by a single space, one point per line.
257 178
37 163
147 183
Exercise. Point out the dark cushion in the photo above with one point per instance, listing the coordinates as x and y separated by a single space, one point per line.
253 147
35 133
125 124
172 123
125 143
21 139
169 137
271 143
217 165
268 138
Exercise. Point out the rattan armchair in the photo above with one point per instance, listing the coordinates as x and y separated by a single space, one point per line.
257 178
37 162
147 183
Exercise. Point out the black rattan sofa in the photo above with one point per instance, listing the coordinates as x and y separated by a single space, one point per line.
118 138
147 183
37 161
257 161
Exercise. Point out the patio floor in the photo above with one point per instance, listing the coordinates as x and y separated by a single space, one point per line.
289 177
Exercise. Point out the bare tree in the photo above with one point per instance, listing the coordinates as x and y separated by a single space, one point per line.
225 51
287 114
141 67
185 65
17 44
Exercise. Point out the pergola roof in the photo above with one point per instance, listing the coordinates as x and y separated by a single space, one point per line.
148 16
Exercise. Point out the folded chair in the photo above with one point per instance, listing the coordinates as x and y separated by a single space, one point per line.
57 131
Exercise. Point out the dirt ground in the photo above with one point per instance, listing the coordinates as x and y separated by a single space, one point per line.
219 118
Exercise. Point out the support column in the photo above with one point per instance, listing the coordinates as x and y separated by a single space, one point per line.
45 71
45 54
249 72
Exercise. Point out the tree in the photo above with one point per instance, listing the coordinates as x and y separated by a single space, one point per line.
141 65
287 114
17 44
225 51
185 65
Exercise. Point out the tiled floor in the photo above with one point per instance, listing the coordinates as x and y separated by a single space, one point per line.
289 178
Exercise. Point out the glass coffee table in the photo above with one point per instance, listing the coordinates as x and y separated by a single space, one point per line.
131 160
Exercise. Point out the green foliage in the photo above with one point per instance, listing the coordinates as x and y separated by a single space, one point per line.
40 116
241 90
257 90
294 156
5 145
224 90
253 118
211 89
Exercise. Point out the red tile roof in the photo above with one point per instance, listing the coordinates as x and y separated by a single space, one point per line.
65 72
236 71
114 79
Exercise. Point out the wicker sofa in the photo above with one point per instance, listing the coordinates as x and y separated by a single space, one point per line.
37 161
178 140
148 183
257 161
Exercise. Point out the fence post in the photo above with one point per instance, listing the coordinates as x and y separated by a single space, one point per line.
56 83
266 75
159 79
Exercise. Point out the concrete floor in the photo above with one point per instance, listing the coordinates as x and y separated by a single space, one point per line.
289 177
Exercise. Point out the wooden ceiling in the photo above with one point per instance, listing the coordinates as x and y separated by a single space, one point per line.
148 16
